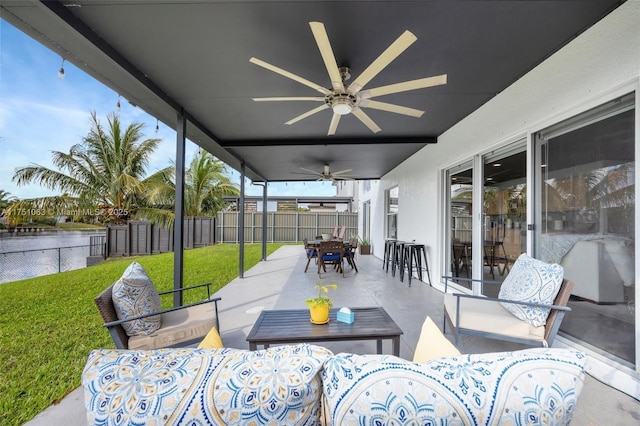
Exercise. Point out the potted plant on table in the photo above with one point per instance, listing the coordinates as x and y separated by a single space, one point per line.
319 306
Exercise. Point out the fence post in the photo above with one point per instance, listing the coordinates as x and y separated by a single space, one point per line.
221 224
253 227
273 227
59 260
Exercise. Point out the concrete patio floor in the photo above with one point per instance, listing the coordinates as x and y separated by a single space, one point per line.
280 283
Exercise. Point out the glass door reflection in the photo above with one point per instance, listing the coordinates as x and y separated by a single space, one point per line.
461 223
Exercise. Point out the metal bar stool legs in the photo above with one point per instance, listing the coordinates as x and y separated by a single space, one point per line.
419 252
413 254
397 258
407 261
388 253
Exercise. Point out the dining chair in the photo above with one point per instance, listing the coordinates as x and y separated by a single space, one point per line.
312 252
330 253
350 252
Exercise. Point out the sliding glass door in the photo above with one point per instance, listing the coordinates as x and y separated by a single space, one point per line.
504 211
585 220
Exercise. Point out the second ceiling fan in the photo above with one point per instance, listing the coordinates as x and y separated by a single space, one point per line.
345 99
327 174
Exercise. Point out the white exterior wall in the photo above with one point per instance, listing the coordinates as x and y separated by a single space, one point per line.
599 65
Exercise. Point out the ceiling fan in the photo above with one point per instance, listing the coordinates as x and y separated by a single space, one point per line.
345 99
327 174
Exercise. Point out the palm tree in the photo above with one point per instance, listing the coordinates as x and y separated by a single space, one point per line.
5 199
205 186
102 176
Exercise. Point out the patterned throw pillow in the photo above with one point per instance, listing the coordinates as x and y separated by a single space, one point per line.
536 386
531 280
134 294
276 386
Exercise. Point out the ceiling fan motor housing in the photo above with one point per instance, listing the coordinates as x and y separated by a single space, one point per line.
341 103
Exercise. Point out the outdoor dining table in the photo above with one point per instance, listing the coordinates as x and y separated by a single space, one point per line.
312 251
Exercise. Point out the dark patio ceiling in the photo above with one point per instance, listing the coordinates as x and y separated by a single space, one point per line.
165 55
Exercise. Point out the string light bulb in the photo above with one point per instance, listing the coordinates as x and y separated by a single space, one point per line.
157 125
61 70
118 104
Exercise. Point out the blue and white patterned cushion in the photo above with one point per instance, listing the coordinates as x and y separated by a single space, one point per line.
531 280
537 387
134 294
193 386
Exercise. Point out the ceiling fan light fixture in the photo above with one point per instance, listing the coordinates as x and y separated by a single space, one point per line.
341 103
341 106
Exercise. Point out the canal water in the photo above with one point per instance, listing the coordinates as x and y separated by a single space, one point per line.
31 254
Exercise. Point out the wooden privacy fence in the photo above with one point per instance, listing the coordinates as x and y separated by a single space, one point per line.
283 227
141 237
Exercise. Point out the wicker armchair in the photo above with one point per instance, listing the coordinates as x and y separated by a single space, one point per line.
181 326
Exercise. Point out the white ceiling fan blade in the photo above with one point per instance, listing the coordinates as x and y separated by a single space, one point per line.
322 40
289 98
307 114
309 171
360 114
292 76
393 51
341 172
420 83
384 106
333 126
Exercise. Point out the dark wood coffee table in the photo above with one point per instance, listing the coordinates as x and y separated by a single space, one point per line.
294 326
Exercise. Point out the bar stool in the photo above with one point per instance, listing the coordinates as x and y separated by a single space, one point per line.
388 252
414 253
397 260
406 261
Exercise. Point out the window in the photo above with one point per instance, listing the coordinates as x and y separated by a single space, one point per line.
460 223
391 196
366 221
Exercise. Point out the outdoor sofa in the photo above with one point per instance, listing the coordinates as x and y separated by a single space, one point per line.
308 385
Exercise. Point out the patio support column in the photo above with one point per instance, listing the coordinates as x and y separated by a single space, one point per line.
241 222
264 222
178 224
264 218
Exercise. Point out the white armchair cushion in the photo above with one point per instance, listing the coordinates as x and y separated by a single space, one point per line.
134 294
178 328
534 281
489 316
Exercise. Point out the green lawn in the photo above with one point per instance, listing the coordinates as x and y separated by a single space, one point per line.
49 324
78 226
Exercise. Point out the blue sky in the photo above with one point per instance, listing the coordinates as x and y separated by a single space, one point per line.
40 113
